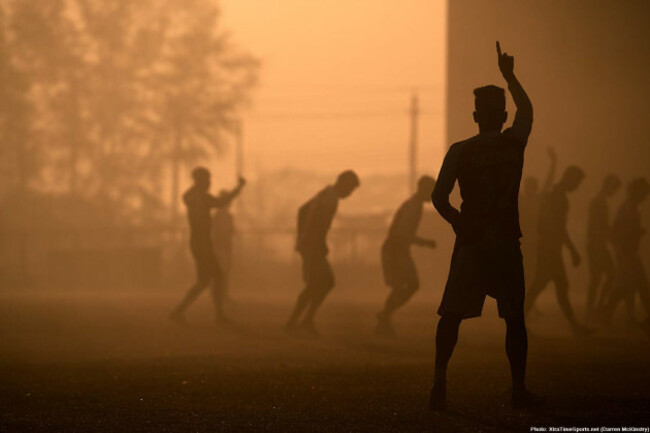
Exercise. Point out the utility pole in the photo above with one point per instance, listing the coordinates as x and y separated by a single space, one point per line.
74 134
239 158
413 143
176 155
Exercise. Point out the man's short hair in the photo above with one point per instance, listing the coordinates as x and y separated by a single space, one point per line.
426 183
574 171
489 98
200 173
348 177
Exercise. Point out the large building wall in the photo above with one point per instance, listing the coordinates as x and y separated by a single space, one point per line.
585 64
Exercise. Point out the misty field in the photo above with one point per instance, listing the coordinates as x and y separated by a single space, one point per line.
96 362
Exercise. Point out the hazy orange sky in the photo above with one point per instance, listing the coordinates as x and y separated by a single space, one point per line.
354 61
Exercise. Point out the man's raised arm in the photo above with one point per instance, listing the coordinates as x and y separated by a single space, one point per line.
524 117
225 199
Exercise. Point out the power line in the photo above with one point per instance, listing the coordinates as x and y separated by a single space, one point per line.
337 115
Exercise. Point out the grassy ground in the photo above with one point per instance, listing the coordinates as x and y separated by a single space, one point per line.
84 363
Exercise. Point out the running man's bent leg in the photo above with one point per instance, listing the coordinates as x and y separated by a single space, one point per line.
190 296
398 297
404 281
306 294
562 294
322 283
202 281
301 304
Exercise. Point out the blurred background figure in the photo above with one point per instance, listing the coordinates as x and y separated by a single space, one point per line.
199 203
626 235
314 222
223 232
529 201
601 262
400 273
553 237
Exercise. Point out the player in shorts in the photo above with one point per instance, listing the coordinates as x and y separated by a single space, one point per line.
314 221
553 238
400 273
601 262
529 201
626 234
487 257
199 203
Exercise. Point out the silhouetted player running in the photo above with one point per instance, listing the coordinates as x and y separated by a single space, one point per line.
601 262
553 237
314 221
400 273
627 232
199 203
487 257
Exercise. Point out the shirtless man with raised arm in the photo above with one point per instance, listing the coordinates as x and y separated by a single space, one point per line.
199 203
487 257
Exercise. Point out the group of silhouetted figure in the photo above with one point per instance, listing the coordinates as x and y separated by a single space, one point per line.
487 258
612 278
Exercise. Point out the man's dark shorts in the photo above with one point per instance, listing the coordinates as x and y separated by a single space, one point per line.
207 266
316 271
491 267
398 267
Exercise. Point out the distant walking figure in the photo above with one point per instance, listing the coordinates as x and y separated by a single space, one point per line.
529 202
627 232
314 221
553 236
400 273
199 203
601 262
487 257
223 232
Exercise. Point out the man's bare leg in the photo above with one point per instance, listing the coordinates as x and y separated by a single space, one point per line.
397 298
301 304
316 301
192 294
446 338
